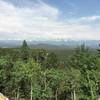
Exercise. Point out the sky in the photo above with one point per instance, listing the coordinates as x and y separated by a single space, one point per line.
50 19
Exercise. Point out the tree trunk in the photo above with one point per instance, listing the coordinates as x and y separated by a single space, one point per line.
45 84
56 94
31 92
17 97
74 95
92 95
71 95
91 89
98 97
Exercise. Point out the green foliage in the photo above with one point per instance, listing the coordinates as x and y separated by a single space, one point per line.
99 51
35 74
52 60
83 60
24 51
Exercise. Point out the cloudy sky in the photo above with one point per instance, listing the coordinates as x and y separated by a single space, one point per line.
50 19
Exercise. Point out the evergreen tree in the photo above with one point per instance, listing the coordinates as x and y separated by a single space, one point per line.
24 51
99 51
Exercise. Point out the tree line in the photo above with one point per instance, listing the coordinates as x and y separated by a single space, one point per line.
25 75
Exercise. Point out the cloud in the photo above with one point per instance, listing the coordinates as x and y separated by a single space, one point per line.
90 18
15 19
41 21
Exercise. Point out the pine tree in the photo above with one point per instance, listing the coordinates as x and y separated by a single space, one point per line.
99 51
24 51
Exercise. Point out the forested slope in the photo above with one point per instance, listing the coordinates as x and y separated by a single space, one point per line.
38 74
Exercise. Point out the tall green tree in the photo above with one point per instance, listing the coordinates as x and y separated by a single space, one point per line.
25 51
41 57
52 60
6 66
86 63
27 76
99 51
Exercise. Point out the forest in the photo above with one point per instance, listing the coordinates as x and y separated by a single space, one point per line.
39 74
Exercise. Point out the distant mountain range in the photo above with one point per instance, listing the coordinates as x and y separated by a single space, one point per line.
50 43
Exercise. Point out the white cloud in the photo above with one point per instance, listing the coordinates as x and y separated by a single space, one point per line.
86 19
90 18
41 22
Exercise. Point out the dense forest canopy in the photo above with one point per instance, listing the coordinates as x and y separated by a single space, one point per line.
29 74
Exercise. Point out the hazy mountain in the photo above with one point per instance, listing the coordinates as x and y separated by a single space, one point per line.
50 44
